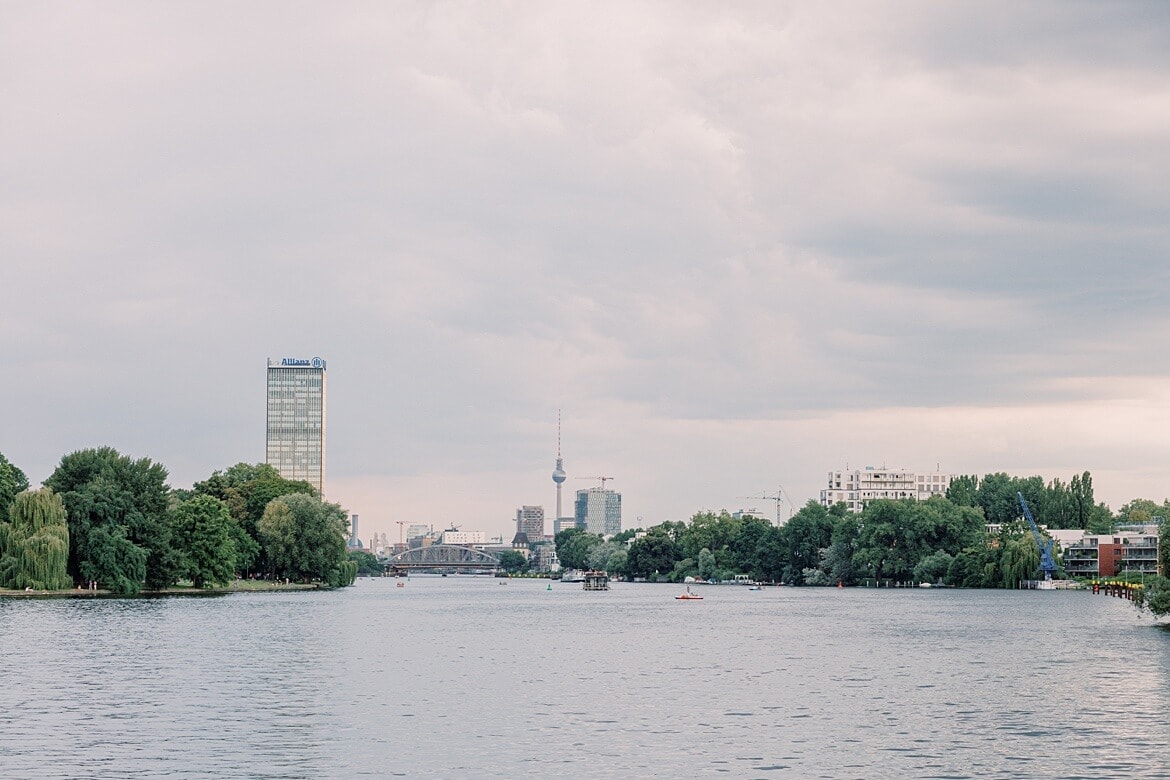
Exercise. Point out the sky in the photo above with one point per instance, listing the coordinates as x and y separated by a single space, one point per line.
737 245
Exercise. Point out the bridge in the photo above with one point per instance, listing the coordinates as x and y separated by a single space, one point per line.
441 557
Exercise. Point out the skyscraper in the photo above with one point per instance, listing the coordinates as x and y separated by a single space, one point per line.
530 522
599 511
296 419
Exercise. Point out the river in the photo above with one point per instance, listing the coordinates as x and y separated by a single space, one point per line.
476 677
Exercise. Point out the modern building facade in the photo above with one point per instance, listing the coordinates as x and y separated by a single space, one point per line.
296 419
1107 555
530 522
599 511
859 487
453 536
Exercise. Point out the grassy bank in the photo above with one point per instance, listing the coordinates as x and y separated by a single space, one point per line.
239 586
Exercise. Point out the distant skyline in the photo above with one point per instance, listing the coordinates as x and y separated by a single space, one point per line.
740 246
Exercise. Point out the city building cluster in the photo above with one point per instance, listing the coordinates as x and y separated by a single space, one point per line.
295 446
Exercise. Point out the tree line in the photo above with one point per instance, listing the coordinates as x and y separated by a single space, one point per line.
973 536
103 519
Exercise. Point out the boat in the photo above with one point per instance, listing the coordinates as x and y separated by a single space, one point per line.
688 595
754 587
596 580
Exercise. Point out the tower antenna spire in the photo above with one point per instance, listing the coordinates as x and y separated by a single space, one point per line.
558 474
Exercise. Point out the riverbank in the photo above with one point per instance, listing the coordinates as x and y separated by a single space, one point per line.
239 586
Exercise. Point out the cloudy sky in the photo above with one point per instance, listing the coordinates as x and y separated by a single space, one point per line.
738 246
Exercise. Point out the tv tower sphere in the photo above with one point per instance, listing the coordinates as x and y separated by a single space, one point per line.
558 474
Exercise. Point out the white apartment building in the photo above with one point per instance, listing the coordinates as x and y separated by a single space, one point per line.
858 487
463 537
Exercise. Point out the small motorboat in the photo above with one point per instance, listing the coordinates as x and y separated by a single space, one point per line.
688 595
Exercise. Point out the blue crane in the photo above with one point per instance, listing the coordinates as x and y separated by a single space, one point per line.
1047 563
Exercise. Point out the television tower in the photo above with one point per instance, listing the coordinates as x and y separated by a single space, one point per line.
558 475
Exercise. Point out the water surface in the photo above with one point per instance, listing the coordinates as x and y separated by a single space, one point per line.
466 677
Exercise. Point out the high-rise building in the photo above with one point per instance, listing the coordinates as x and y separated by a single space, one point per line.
530 522
296 419
599 511
859 487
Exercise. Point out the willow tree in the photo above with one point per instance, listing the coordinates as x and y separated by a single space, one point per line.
34 543
1019 560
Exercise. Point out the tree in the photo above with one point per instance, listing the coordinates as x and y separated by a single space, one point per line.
116 509
963 489
749 546
1019 559
573 546
973 567
34 543
808 532
1155 596
247 489
12 482
705 564
600 554
367 563
513 562
654 553
933 567
303 537
838 558
202 537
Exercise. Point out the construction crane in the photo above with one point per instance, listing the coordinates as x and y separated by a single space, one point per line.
781 495
1047 563
603 480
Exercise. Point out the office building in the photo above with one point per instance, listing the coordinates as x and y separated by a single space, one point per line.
455 536
859 487
530 522
296 419
599 511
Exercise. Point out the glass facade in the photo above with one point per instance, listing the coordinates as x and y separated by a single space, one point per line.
599 511
296 420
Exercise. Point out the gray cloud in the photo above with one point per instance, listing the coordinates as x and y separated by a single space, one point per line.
678 221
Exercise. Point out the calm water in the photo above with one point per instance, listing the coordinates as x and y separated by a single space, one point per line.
465 677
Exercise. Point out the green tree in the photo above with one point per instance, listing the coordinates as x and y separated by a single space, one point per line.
934 567
203 538
34 543
116 509
974 567
705 564
963 490
838 558
304 537
247 490
600 554
573 547
808 532
1019 560
513 562
750 546
1155 596
12 482
367 563
655 553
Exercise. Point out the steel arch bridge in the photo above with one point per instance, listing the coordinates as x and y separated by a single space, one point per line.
442 557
